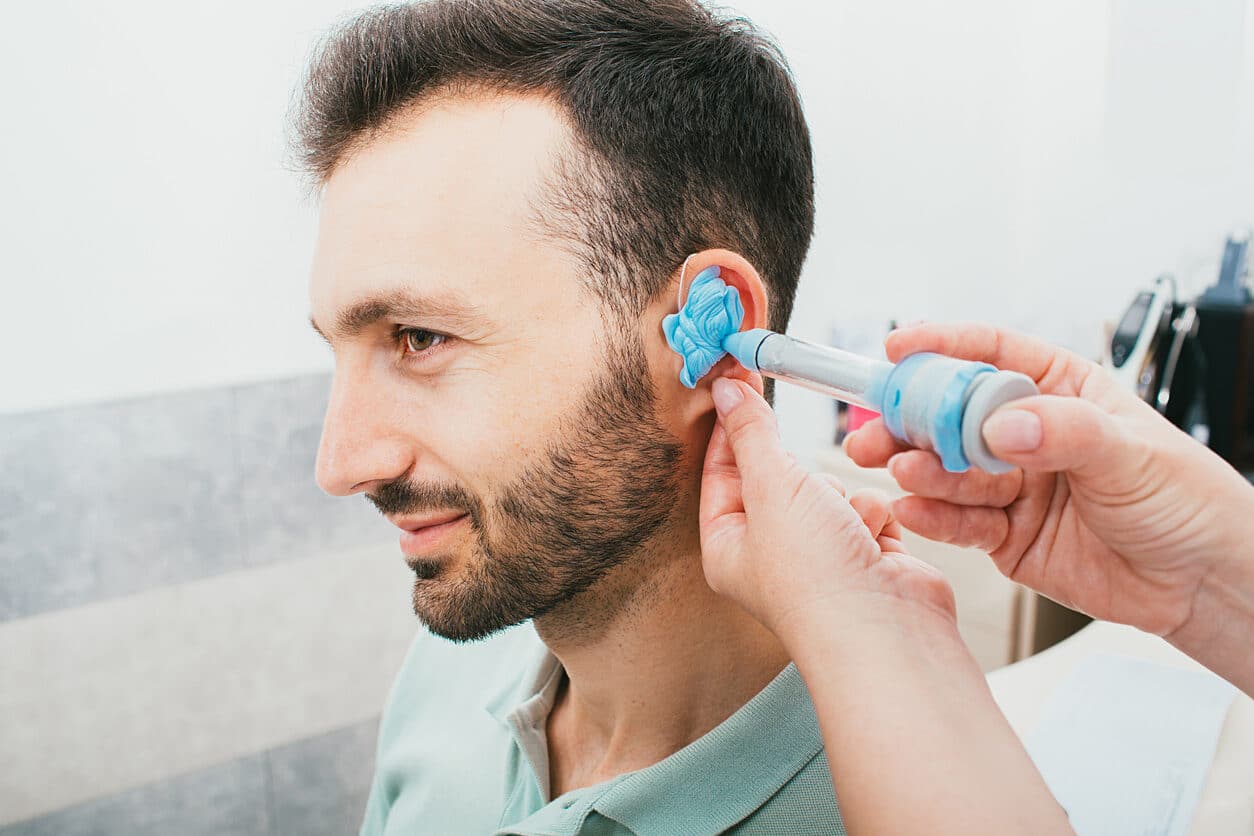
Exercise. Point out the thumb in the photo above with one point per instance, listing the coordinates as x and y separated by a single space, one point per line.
1055 433
752 431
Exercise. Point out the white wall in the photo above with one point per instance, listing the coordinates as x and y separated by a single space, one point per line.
151 238
1032 164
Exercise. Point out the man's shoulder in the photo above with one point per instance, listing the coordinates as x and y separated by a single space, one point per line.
803 803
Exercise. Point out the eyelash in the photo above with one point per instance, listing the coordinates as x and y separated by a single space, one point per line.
415 356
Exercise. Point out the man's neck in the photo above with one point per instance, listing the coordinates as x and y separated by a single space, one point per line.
673 662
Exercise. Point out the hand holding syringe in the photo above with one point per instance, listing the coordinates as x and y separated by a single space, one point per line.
927 400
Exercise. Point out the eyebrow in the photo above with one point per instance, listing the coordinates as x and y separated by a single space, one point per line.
398 304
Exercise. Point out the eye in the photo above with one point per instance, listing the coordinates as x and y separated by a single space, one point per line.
420 340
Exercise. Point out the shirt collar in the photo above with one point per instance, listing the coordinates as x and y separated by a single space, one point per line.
710 784
533 688
524 709
724 776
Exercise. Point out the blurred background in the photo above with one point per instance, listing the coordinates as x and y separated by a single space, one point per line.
192 638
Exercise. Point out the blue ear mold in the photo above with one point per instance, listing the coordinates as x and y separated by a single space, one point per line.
712 312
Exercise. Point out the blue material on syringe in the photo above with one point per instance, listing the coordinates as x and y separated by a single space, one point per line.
927 400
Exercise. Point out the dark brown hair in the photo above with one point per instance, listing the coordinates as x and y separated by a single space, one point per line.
690 129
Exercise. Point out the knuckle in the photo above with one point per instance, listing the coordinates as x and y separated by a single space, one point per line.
995 340
1004 489
795 485
720 469
745 422
834 481
869 501
740 428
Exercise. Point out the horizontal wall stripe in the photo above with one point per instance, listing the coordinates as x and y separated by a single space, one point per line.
119 694
313 787
111 499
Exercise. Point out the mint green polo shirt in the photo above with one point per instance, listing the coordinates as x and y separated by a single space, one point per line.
462 750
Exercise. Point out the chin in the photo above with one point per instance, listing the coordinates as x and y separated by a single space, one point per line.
449 609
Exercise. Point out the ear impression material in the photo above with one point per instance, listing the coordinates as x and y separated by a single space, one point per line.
712 312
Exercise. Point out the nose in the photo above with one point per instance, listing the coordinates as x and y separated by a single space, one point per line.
360 448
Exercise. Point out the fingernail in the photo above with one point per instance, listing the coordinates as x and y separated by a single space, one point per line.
1014 431
727 395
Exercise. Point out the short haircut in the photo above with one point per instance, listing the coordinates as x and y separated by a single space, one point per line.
690 130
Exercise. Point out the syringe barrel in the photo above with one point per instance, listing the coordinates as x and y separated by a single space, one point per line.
839 374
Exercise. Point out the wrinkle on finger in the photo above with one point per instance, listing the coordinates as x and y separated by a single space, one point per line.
982 528
873 508
921 473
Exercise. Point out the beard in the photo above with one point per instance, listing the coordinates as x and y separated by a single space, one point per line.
603 487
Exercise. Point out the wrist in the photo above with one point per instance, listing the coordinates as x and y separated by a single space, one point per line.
862 621
1226 589
1233 564
1221 619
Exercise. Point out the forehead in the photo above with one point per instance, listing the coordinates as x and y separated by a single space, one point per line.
442 201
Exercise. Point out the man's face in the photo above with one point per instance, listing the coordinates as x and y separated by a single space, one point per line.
481 396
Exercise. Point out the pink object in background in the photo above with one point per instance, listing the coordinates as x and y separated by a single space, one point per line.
858 415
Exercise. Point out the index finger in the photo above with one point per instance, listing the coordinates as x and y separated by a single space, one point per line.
872 445
720 480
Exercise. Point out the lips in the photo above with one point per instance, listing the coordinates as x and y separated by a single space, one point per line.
428 521
421 536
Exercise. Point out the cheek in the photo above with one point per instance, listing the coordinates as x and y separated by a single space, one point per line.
484 428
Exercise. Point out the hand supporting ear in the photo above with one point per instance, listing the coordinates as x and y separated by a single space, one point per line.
785 543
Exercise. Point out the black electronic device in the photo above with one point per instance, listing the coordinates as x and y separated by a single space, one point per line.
1194 360
1138 339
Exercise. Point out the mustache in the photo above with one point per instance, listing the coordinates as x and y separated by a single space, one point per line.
400 497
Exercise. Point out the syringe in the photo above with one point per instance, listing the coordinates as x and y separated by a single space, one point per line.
927 400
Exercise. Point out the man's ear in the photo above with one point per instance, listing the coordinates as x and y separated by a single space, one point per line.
736 271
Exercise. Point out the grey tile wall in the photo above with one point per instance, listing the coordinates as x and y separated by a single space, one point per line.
314 787
320 785
225 800
285 513
110 499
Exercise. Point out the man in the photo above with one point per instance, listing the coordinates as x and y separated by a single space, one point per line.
509 194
